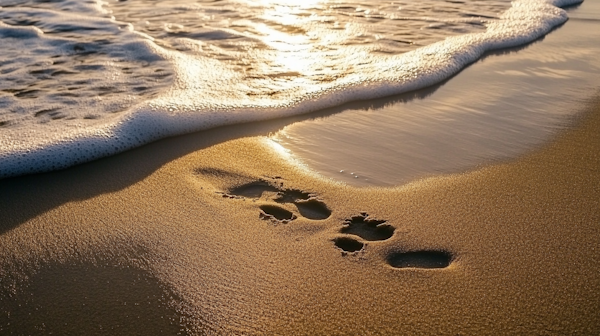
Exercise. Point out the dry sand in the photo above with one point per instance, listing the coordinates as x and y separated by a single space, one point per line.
170 238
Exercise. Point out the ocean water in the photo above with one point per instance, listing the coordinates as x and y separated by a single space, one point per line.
80 80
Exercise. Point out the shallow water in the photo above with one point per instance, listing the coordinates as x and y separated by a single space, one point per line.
56 64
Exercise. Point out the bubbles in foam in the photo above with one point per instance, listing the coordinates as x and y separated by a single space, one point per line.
205 93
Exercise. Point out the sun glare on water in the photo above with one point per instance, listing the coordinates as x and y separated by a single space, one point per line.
298 35
290 33
295 3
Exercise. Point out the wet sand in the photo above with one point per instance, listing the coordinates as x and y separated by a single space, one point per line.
204 235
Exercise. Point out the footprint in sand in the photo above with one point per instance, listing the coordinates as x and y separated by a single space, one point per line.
367 228
356 229
308 205
420 259
275 213
364 227
347 244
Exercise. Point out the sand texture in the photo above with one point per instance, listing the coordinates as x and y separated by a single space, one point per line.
203 235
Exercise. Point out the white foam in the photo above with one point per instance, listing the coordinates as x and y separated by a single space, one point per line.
205 94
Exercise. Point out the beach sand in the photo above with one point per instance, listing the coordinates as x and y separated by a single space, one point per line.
170 237
218 232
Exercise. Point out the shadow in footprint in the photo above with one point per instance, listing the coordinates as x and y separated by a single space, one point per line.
307 204
420 259
367 228
348 244
291 196
313 209
276 213
254 189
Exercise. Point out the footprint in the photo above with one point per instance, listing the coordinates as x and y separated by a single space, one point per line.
348 244
275 213
313 209
368 228
254 189
420 259
307 204
371 229
291 196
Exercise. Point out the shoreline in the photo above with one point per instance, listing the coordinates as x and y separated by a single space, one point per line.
178 110
522 237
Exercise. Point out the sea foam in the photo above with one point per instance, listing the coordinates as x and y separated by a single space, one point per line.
204 94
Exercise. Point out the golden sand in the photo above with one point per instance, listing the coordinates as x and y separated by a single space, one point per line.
171 237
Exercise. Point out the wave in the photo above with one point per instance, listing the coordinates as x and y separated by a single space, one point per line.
204 94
